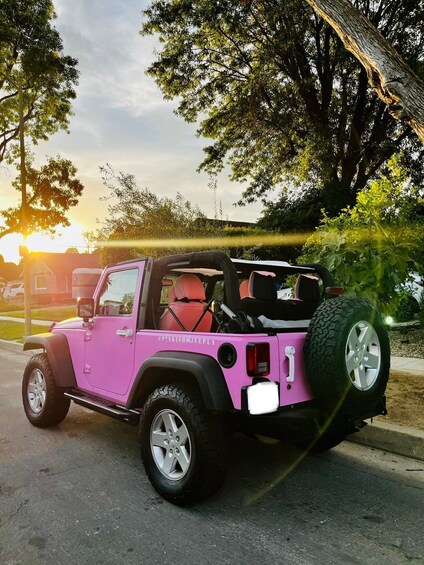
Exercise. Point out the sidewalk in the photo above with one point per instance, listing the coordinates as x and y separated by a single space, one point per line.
22 321
378 434
411 365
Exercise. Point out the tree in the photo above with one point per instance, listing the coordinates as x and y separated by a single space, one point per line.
283 101
371 247
293 213
31 60
136 213
9 271
53 190
393 80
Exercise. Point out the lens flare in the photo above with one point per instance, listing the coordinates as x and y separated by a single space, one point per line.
211 242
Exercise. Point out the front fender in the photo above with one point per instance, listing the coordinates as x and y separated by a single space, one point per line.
59 356
165 366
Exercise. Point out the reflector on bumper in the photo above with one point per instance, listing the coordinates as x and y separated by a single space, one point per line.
262 398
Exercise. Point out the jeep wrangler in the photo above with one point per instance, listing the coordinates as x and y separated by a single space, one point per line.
190 347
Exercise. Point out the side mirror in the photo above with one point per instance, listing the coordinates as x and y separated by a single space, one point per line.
85 308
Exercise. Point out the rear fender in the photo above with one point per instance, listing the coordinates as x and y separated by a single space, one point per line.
172 366
59 356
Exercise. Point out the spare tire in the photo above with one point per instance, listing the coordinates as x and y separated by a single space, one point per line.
347 355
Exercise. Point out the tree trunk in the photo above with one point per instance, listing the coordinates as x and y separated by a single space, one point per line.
393 80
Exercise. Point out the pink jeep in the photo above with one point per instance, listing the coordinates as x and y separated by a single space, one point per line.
190 347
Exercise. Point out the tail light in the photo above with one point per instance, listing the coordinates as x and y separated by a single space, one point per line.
258 359
332 291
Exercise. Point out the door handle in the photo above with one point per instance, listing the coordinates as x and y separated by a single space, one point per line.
290 351
125 333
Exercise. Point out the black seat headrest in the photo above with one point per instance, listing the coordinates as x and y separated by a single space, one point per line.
262 287
307 288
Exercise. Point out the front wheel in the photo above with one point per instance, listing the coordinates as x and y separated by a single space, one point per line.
183 446
43 401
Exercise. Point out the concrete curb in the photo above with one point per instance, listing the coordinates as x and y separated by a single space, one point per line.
14 346
401 440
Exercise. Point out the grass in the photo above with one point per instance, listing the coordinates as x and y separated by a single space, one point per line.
15 330
56 314
7 307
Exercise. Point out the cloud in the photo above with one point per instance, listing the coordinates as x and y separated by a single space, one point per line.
104 36
121 117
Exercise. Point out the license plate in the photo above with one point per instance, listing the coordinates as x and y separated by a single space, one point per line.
263 398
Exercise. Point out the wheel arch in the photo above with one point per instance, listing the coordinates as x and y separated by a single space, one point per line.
202 370
57 349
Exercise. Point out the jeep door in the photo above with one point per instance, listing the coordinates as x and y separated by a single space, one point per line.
110 342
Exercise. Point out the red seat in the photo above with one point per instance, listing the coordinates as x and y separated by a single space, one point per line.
244 289
188 304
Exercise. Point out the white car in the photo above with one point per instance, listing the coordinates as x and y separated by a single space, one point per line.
416 286
409 307
13 289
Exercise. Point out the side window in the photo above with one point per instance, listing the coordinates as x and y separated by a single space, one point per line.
117 294
166 292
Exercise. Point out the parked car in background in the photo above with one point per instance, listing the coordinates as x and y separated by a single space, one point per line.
416 287
13 289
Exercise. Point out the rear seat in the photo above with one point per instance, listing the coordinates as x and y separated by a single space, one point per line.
264 301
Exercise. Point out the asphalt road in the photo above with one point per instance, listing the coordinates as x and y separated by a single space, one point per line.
77 494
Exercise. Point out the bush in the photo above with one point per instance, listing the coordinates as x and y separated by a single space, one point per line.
372 247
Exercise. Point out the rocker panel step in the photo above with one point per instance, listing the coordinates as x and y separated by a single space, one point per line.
103 406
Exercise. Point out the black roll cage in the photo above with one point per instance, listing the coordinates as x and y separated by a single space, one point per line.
232 271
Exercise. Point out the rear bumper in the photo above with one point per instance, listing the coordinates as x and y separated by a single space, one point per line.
307 419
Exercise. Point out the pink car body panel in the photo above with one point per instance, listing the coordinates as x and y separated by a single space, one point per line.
147 343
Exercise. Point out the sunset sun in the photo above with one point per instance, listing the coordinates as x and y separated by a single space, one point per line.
64 239
58 243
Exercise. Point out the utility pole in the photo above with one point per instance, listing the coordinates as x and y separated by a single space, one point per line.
24 219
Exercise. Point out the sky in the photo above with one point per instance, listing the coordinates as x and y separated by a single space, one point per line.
120 118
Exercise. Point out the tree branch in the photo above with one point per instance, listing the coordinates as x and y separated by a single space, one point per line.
388 74
7 231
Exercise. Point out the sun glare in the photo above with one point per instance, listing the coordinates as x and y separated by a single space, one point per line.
59 243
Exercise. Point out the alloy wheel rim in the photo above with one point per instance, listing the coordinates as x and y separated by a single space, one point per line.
36 391
170 444
363 355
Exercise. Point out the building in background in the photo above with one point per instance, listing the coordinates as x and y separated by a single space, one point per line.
51 274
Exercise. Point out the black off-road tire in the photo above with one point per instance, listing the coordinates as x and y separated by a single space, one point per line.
52 406
205 449
336 324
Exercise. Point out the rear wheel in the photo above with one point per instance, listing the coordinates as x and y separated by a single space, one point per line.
44 402
183 446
